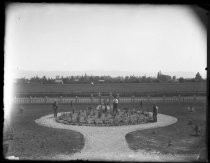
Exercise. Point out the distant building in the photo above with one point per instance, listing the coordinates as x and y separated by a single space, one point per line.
101 81
174 79
163 78
58 81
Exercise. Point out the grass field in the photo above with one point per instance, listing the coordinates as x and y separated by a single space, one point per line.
180 133
124 89
32 141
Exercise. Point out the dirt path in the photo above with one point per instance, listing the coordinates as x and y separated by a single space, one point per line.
108 143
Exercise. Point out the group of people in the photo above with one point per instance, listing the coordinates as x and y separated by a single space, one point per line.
115 103
107 116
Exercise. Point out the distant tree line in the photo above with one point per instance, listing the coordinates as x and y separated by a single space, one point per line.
108 79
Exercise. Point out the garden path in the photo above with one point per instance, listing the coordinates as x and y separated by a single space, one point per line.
109 143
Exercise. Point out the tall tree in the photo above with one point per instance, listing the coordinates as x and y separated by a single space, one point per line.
198 77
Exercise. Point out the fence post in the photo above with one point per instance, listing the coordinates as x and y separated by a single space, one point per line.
186 100
30 99
179 98
194 98
148 99
61 99
133 100
91 98
71 103
164 98
76 98
99 95
45 99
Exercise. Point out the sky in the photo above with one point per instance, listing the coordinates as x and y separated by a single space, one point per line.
101 38
134 38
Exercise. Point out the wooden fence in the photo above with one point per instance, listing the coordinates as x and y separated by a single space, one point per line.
97 100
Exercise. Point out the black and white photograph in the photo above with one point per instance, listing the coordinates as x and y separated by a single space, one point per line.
105 82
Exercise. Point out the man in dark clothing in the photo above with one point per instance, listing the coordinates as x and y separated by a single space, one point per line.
115 102
141 106
105 105
55 107
155 112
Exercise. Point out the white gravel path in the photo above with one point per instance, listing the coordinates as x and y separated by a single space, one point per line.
108 143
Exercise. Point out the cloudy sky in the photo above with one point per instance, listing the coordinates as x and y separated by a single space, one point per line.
144 38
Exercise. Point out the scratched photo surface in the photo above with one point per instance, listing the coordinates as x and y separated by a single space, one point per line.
105 82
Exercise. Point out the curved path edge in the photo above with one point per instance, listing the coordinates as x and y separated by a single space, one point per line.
109 143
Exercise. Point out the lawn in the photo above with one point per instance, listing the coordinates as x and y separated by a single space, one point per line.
180 134
32 141
124 89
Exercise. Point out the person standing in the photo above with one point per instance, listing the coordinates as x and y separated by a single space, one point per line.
155 112
105 105
55 108
141 105
115 103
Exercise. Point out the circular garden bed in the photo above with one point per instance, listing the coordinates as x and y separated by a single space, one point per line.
104 117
